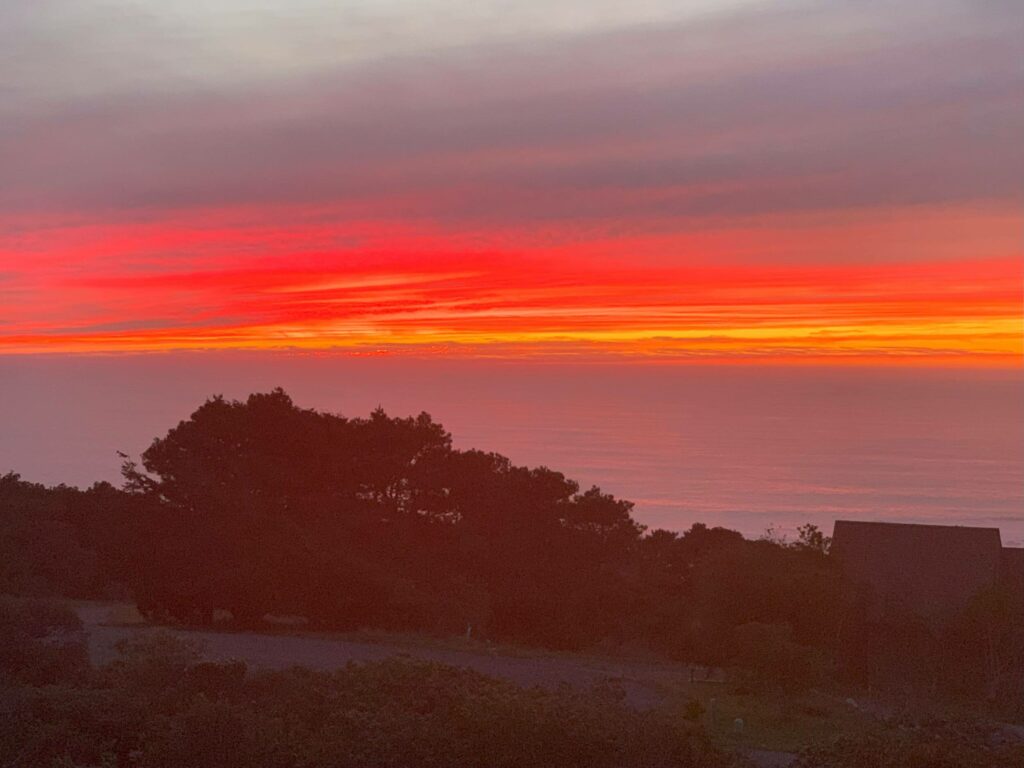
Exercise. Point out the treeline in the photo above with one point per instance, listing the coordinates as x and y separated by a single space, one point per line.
261 508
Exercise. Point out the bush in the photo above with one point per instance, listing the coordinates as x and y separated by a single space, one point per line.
947 745
41 643
400 713
693 710
768 656
157 707
152 663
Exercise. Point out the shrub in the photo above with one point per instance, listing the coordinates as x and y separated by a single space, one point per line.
768 655
392 714
41 643
947 745
693 710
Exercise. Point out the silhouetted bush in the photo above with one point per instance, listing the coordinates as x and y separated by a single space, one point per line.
770 658
39 552
40 642
393 714
948 745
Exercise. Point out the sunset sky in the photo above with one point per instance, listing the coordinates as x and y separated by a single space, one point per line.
587 179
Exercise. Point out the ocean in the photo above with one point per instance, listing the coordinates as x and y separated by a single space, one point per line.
743 446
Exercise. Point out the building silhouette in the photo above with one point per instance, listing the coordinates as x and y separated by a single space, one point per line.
931 570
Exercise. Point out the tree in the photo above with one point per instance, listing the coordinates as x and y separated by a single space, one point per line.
40 553
811 538
263 507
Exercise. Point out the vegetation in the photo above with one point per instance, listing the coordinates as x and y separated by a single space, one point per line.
40 643
260 508
776 720
159 706
930 745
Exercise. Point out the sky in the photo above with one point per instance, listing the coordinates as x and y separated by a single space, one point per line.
585 180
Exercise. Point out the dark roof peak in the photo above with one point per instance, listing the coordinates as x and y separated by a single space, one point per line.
935 526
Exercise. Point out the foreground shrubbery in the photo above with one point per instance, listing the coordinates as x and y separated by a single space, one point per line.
40 643
935 745
158 706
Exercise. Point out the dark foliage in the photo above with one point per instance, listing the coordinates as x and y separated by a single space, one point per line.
262 507
930 745
63 541
40 643
39 551
158 707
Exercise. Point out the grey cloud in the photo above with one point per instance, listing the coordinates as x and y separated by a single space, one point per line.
640 124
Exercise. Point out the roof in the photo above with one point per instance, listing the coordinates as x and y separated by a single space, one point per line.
930 569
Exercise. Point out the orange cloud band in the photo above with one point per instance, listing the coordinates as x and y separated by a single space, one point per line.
372 288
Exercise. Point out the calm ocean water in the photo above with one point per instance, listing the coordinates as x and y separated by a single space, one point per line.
745 447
